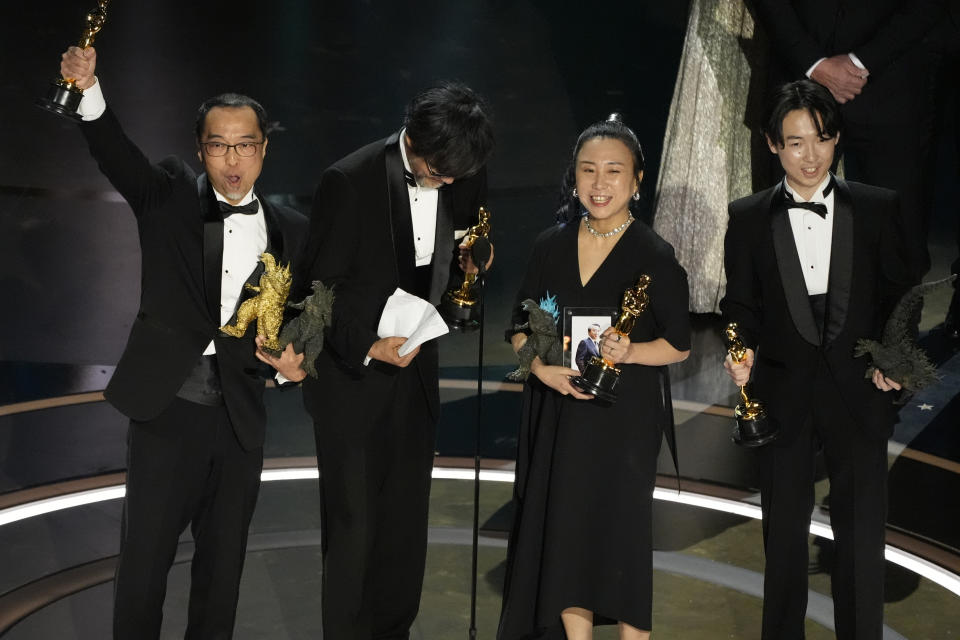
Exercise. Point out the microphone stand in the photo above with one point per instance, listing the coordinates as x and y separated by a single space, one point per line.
481 285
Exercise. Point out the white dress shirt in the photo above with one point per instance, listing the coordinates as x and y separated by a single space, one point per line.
423 213
244 239
813 236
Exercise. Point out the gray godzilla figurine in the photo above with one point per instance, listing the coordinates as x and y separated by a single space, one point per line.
542 341
897 354
306 330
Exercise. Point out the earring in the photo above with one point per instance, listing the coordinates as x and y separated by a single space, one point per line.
574 193
636 195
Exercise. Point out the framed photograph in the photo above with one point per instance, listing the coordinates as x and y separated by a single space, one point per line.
582 327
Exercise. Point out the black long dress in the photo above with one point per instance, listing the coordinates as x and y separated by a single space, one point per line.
586 471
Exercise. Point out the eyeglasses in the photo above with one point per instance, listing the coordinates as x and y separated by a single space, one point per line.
433 174
243 149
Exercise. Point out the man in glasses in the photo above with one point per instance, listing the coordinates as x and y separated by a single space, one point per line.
386 216
195 444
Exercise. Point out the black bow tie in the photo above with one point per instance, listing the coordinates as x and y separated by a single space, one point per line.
817 207
228 209
410 178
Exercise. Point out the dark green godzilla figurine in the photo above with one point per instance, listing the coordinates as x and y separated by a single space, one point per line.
897 354
306 330
542 341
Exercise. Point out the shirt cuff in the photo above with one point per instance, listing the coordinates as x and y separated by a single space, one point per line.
93 104
814 66
367 360
855 60
280 378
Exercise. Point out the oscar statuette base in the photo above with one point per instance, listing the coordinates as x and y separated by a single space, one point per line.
754 431
459 316
61 101
599 380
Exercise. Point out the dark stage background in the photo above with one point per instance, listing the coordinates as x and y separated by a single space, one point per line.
335 75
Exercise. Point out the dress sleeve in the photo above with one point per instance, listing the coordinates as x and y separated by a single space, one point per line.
669 303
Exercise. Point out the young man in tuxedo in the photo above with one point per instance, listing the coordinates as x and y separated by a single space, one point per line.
876 59
385 216
194 396
813 264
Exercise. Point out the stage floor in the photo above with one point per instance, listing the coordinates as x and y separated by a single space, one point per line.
57 581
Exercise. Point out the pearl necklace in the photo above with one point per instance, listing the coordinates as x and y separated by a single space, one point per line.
612 232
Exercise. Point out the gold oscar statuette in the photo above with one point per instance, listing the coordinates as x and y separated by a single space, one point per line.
600 377
754 428
459 306
64 95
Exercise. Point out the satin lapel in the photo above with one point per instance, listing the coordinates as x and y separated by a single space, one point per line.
274 231
841 261
442 244
401 224
212 247
791 273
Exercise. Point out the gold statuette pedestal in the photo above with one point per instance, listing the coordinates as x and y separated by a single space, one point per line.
754 427
459 306
600 377
64 96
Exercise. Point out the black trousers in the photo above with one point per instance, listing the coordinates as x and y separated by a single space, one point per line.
375 466
184 467
857 468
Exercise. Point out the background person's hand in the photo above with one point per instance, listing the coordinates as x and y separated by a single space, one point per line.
844 79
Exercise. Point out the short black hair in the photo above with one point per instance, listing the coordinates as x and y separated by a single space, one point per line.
613 127
807 95
234 101
450 128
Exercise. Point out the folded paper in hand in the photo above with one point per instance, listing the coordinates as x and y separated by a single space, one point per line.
411 317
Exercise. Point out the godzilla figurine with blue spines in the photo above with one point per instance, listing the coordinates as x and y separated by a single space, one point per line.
543 340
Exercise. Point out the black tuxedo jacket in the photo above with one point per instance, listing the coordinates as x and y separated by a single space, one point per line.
361 243
767 296
888 36
181 244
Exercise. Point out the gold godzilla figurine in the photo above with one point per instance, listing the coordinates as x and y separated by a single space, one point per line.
267 306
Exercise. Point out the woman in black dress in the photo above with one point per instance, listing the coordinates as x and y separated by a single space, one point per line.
580 548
